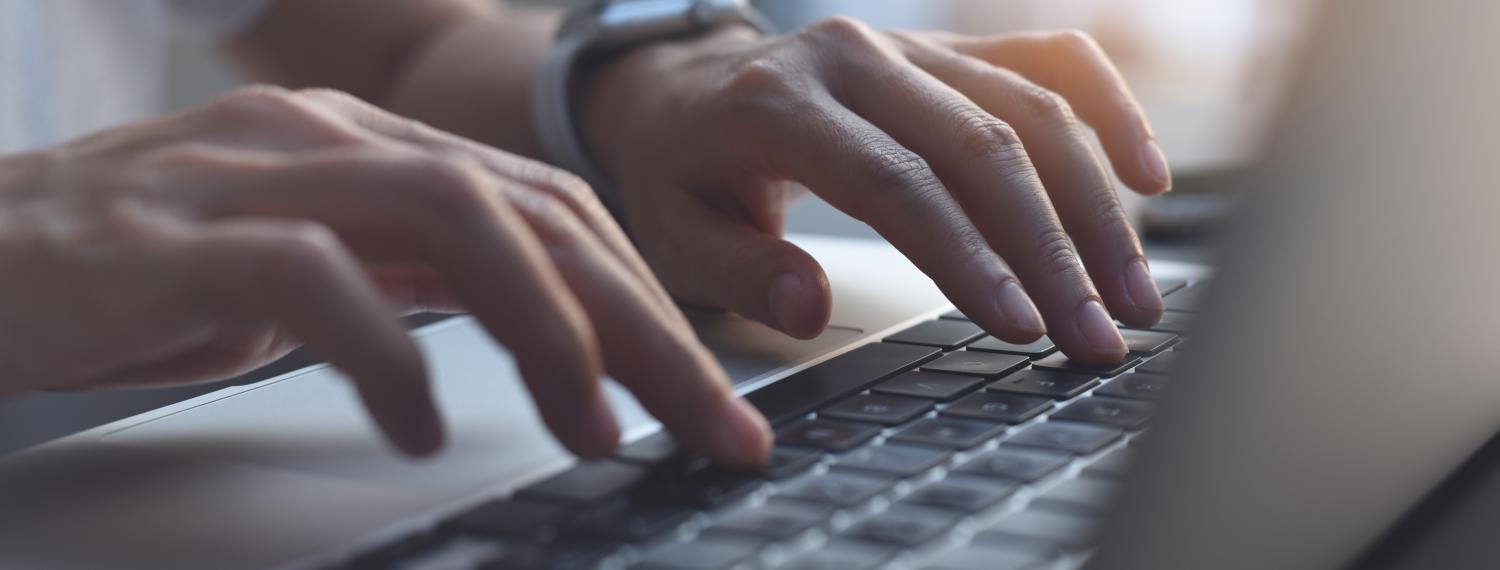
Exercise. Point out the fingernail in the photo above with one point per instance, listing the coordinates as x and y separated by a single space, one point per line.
1098 329
786 300
1140 287
1016 308
744 433
1154 161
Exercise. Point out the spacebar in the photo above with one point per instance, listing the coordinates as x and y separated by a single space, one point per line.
796 395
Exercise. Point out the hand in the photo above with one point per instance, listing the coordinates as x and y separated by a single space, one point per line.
965 153
207 243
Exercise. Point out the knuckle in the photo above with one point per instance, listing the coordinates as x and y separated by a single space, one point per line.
900 169
1105 212
450 188
766 77
1054 252
839 29
565 187
1073 41
257 102
543 210
303 249
981 135
900 178
844 35
1045 104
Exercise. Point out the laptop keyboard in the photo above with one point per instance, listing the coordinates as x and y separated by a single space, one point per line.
938 448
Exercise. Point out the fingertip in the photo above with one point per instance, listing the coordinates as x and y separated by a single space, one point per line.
1020 315
1153 164
1099 331
598 435
801 303
744 437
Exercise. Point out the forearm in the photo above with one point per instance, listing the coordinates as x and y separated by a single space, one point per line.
461 65
475 79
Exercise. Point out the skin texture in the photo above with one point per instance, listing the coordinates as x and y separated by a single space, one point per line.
965 153
200 245
210 242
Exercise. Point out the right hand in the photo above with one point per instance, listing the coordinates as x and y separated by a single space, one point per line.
207 243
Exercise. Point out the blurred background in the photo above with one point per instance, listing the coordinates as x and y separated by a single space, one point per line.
1209 73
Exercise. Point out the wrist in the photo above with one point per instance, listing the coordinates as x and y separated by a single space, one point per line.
621 97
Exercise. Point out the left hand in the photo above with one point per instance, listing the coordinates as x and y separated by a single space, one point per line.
965 153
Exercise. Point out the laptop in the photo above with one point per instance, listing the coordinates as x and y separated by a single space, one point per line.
1323 399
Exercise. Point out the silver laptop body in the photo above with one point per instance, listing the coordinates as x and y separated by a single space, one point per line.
1341 370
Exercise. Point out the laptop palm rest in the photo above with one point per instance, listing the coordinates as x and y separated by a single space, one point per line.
312 422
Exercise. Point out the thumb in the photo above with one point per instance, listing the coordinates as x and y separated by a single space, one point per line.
707 258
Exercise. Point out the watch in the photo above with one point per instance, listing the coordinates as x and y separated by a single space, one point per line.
597 30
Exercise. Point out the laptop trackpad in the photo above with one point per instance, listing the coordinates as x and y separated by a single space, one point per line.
313 422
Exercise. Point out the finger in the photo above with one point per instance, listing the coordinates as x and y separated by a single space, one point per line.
1072 64
1077 184
406 207
712 260
859 169
983 163
657 358
415 288
297 275
569 189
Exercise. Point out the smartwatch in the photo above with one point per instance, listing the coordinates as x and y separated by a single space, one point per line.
608 27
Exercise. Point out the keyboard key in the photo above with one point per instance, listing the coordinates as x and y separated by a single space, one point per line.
955 315
967 497
567 553
1046 383
1123 414
1060 361
450 552
510 519
649 450
1078 439
786 461
1064 530
930 385
841 490
972 363
1162 364
878 409
904 527
1147 342
587 483
942 333
1114 465
897 460
1035 349
949 433
1172 322
1088 495
715 486
1168 286
843 555
703 553
998 407
1014 463
775 520
1186 299
996 556
830 435
634 521
1135 386
794 396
